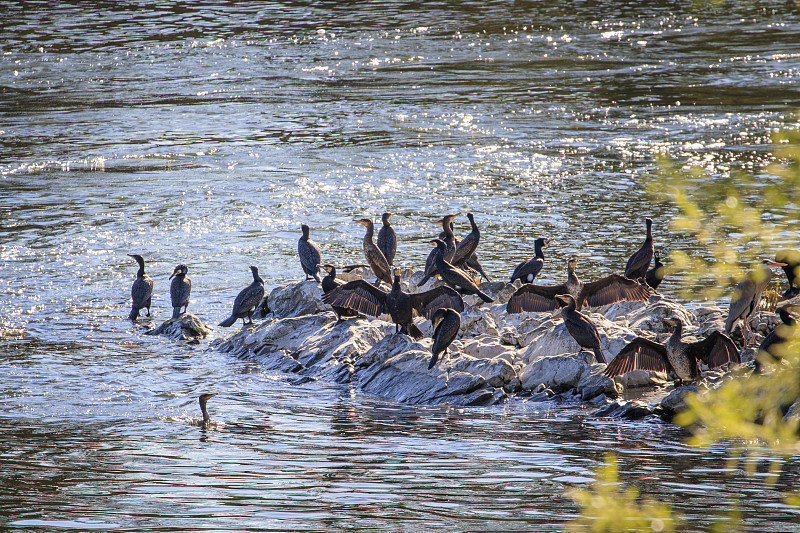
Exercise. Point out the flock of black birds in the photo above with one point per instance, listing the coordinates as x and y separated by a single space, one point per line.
456 263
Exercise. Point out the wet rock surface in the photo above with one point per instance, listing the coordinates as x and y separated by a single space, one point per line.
184 327
498 357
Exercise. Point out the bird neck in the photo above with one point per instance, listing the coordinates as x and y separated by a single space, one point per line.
571 277
448 230
370 231
206 416
537 247
677 332
570 307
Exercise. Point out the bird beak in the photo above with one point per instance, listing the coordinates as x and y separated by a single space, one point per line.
173 274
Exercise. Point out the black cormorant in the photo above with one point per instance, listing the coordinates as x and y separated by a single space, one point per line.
528 270
447 323
779 335
180 289
387 239
141 291
449 238
455 276
330 283
377 261
613 288
580 327
639 262
655 275
247 300
366 298
747 296
680 358
310 256
203 401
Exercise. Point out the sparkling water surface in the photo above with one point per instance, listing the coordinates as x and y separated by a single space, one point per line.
204 133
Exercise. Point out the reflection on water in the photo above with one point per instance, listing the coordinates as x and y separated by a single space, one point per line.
204 134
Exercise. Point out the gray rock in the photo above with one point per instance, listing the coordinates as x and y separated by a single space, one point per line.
184 327
303 298
559 373
625 410
675 401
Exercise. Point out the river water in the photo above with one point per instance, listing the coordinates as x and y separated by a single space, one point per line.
204 133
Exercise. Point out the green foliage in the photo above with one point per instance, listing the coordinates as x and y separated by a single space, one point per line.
738 219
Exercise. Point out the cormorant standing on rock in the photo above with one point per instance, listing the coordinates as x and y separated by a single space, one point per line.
613 288
639 262
747 296
776 337
330 283
675 356
387 239
310 256
447 323
247 300
141 291
449 238
455 276
655 275
528 270
377 261
580 327
366 298
180 289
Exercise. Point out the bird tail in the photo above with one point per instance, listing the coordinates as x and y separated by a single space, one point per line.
414 331
134 314
598 355
433 360
485 297
176 312
228 322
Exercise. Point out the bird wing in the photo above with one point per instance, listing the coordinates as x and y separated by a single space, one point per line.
610 289
248 298
534 266
639 260
532 297
426 303
465 249
715 350
741 302
639 354
358 295
446 331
